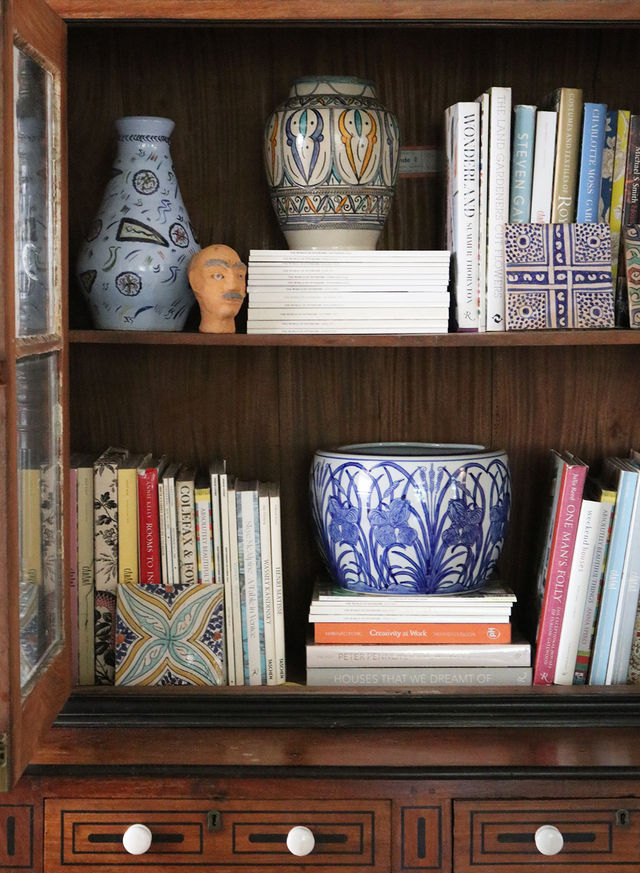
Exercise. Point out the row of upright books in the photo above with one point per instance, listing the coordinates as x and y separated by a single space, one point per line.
589 575
176 574
421 640
363 292
522 181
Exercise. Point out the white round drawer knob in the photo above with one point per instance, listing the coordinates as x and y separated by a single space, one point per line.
300 841
137 839
548 840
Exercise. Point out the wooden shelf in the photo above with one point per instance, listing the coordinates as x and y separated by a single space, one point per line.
464 340
327 11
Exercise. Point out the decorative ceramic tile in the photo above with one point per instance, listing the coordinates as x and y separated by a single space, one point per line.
558 276
170 635
631 242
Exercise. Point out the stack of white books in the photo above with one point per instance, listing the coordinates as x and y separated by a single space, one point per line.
356 292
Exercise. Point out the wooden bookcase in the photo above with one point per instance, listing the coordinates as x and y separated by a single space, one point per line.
217 68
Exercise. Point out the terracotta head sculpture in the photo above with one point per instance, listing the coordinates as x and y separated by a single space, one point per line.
219 281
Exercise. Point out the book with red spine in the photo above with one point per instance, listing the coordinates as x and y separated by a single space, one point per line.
413 632
149 520
563 523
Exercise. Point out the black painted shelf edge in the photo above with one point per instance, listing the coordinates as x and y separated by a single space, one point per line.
288 710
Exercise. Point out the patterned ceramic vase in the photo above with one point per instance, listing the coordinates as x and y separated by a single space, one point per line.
331 154
410 518
132 267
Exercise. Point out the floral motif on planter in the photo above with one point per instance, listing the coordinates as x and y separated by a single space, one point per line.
331 156
410 518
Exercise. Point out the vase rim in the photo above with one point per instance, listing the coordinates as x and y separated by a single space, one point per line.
142 125
409 451
353 80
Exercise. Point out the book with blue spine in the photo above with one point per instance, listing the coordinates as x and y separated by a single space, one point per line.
524 125
608 160
628 600
590 173
625 481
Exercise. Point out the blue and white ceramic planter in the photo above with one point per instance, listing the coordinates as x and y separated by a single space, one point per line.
132 266
331 155
407 518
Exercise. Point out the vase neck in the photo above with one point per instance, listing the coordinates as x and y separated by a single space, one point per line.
143 131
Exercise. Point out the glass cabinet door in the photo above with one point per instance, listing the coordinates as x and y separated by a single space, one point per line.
33 361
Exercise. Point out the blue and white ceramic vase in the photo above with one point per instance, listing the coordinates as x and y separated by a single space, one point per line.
410 518
332 154
132 266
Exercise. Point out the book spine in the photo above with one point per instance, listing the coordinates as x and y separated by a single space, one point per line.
394 615
163 534
148 527
267 589
557 575
445 632
128 526
226 577
216 530
339 313
622 637
590 174
464 120
382 677
249 587
498 203
585 642
278 588
106 569
349 656
483 103
608 158
174 553
236 600
524 123
617 187
204 539
543 166
86 632
612 578
284 299
73 571
186 523
630 216
567 161
586 538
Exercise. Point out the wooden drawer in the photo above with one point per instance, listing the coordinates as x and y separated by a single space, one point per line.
599 835
87 833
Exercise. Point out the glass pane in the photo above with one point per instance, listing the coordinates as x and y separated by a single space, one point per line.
39 514
33 89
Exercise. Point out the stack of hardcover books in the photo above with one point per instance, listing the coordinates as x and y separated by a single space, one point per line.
369 640
193 555
346 292
589 575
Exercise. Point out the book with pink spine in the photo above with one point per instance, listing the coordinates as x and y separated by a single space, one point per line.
562 528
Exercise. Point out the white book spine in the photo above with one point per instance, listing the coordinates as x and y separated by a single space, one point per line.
282 298
512 655
186 527
483 103
278 590
267 587
581 563
464 136
348 328
174 557
162 519
405 676
226 578
246 516
342 313
498 203
235 586
543 166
